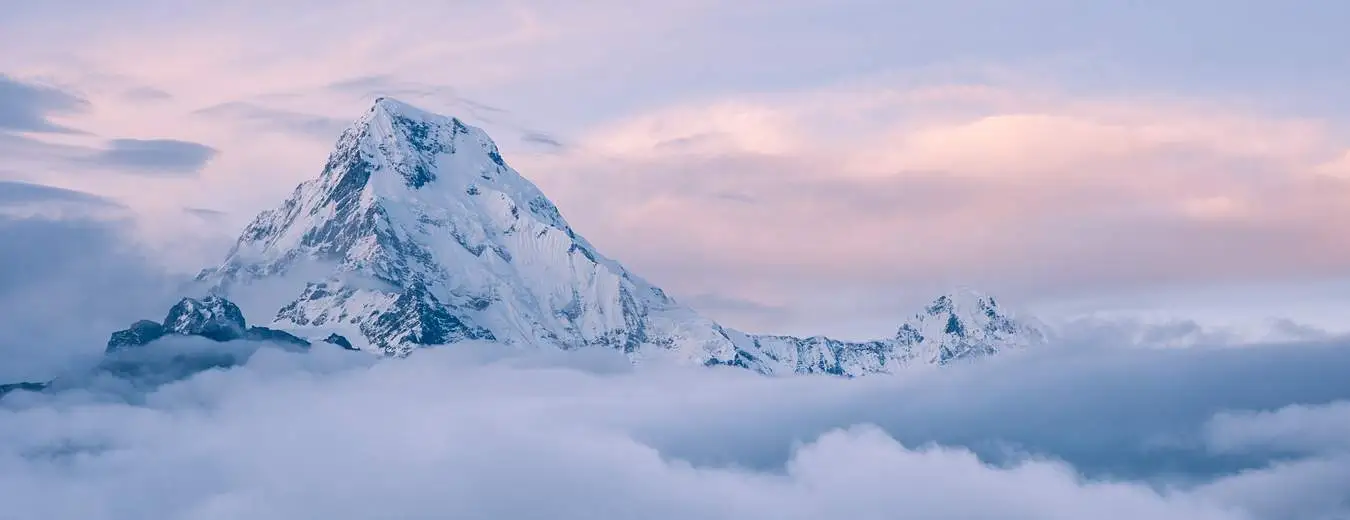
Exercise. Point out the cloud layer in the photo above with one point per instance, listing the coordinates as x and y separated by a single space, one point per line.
462 432
75 276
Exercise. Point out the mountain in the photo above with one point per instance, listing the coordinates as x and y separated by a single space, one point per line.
426 236
417 232
957 327
132 354
212 317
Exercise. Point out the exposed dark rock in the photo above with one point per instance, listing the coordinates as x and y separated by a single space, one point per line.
29 387
275 336
339 340
211 317
422 319
140 333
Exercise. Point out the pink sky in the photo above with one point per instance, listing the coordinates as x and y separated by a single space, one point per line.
782 198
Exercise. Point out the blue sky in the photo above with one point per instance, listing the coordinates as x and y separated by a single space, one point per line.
802 166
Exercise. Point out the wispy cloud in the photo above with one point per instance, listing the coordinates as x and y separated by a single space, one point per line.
77 276
540 138
1026 193
271 119
146 94
28 106
12 192
747 314
154 156
205 212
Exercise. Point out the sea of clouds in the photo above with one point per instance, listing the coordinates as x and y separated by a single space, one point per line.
1082 429
473 431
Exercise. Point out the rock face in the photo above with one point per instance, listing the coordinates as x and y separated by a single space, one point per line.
418 233
140 333
339 340
212 317
27 387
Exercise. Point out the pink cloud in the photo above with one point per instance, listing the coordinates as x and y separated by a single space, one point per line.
1080 195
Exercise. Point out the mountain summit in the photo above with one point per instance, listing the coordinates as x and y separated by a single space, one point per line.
418 233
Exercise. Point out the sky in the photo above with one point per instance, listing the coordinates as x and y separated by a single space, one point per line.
796 166
1163 181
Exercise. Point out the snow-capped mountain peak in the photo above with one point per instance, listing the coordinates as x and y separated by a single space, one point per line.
433 239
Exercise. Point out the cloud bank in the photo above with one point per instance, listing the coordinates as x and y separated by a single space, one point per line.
474 431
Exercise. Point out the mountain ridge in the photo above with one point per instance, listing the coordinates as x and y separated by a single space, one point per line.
429 237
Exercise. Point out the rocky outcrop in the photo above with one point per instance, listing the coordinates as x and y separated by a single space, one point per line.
339 340
28 387
212 317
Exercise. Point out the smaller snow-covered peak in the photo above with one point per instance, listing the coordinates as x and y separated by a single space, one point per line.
964 324
209 316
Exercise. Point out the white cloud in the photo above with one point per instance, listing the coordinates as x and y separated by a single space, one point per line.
869 189
1308 487
1338 167
1297 428
464 431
